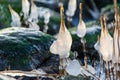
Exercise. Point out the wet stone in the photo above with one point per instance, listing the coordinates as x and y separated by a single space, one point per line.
25 49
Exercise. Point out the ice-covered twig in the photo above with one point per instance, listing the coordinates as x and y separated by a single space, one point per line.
15 17
34 73
4 77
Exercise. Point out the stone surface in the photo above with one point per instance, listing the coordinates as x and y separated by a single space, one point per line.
25 49
69 77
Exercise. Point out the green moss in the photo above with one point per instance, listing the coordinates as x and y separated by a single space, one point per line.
19 45
55 20
71 55
72 29
14 45
75 37
5 15
19 60
41 23
16 52
89 38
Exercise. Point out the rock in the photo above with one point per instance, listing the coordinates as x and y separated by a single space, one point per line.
1 25
69 77
48 2
50 63
25 49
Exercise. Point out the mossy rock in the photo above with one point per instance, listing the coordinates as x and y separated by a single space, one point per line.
24 49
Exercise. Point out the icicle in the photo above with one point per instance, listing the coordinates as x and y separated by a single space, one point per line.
85 62
81 29
106 43
3 77
25 8
60 46
72 5
102 26
116 51
106 29
34 12
97 45
15 17
45 28
116 10
46 20
46 17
